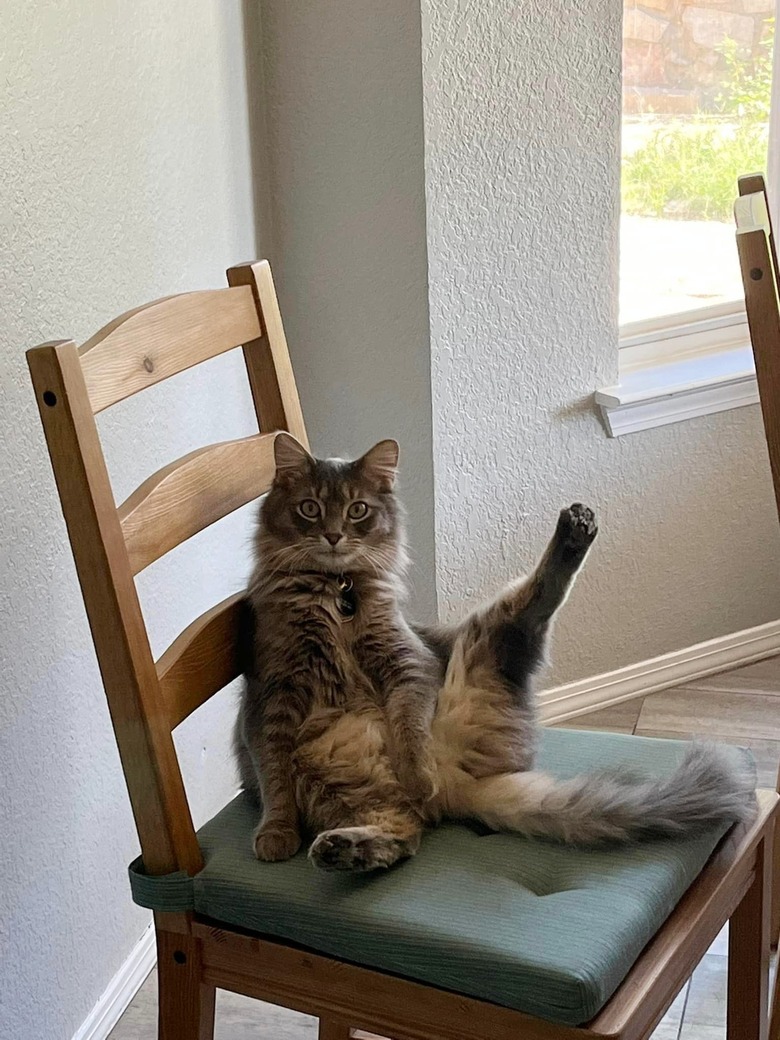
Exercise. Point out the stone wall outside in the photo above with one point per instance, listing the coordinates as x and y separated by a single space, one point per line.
672 49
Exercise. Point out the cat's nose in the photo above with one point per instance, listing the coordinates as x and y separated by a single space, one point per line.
334 537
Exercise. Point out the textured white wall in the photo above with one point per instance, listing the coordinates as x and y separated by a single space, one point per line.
124 175
345 152
522 124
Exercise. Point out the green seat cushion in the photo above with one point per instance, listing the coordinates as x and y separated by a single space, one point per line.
532 925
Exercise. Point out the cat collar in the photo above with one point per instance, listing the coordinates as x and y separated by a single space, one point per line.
347 599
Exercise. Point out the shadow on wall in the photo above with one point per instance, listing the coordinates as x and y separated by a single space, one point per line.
258 134
341 132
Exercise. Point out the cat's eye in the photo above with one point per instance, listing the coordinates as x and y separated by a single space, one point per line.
309 509
357 511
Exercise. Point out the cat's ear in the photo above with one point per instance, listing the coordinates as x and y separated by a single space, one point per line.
380 463
290 456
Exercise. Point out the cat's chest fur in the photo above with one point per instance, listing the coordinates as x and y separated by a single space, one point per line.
327 650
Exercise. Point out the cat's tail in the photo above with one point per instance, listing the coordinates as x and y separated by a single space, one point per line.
613 805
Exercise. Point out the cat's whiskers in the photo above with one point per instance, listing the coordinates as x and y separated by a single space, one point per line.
380 558
286 557
367 557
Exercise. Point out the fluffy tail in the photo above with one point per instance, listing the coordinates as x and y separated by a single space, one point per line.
614 806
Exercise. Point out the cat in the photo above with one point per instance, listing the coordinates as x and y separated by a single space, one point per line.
357 730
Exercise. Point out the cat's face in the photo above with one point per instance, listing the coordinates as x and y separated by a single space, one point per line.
332 515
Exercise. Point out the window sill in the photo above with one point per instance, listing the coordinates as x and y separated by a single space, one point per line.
696 369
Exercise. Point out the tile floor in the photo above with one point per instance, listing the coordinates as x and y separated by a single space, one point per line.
742 706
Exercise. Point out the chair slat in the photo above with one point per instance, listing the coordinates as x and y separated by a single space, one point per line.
111 545
154 342
202 660
190 494
751 184
267 358
763 312
758 261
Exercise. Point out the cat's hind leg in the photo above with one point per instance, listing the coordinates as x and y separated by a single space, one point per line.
484 724
526 607
512 631
383 838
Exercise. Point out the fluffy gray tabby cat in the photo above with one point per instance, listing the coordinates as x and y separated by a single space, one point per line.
357 730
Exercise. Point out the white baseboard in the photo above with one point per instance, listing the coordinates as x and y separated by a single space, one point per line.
121 990
674 669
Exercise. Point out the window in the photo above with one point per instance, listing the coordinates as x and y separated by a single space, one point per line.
697 83
697 80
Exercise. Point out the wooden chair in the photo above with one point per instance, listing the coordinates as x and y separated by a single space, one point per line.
147 700
758 262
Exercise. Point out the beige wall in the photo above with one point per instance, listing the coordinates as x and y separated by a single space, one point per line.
345 151
124 176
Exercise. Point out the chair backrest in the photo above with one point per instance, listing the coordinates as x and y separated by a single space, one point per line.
758 261
111 544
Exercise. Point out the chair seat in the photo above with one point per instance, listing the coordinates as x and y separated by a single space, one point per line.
539 927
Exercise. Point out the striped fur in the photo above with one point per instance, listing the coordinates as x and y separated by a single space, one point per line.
356 734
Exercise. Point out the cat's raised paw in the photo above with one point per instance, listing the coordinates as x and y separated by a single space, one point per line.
272 844
357 849
577 525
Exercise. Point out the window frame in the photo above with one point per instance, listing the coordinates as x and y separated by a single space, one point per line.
667 336
679 366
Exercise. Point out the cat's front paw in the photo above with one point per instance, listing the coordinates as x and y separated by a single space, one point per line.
273 843
577 527
360 849
418 780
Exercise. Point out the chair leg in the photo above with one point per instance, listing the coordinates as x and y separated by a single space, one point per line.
186 1003
334 1029
774 1007
748 988
775 926
774 1014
